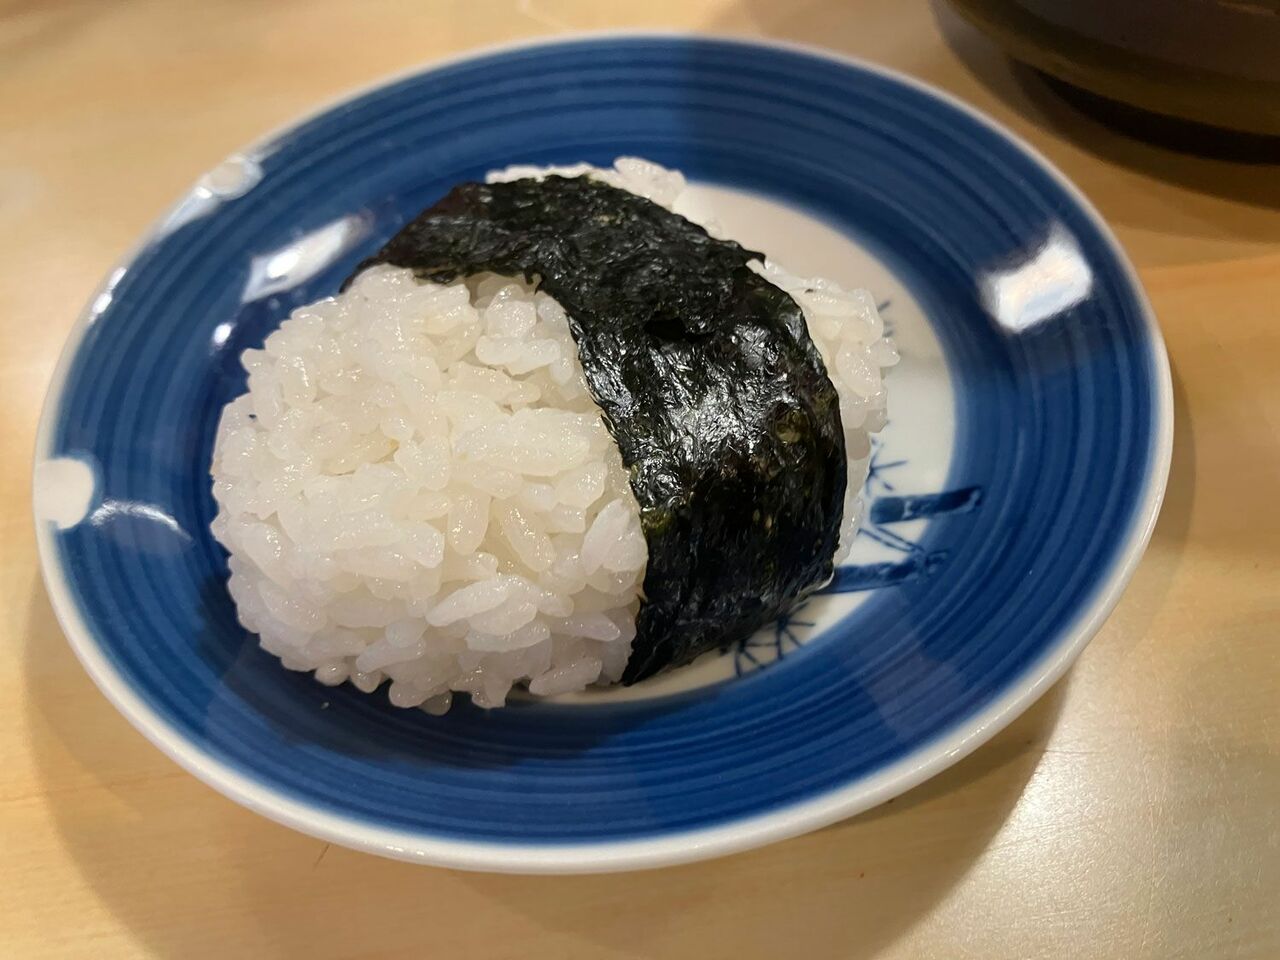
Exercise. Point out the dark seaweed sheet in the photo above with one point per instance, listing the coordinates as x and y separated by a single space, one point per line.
708 381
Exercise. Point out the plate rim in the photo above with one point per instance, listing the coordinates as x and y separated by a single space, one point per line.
733 836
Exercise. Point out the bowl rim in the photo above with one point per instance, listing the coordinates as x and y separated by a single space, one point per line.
734 836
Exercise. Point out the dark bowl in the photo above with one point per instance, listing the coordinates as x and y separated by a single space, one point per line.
1213 62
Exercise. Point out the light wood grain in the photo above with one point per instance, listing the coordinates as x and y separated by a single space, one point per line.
1130 814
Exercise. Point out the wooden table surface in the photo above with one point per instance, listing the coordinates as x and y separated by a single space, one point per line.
1132 813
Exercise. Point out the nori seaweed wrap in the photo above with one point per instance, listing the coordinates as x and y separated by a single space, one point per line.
708 381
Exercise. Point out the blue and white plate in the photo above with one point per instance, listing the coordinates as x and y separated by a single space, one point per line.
1012 492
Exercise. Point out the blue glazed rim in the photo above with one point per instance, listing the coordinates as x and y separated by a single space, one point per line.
667 843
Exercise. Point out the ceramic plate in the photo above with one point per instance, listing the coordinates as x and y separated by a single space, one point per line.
1010 497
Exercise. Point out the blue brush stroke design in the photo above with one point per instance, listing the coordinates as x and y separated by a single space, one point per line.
881 307
786 637
877 466
902 509
872 576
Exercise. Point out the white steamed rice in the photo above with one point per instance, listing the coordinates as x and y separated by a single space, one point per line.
418 486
